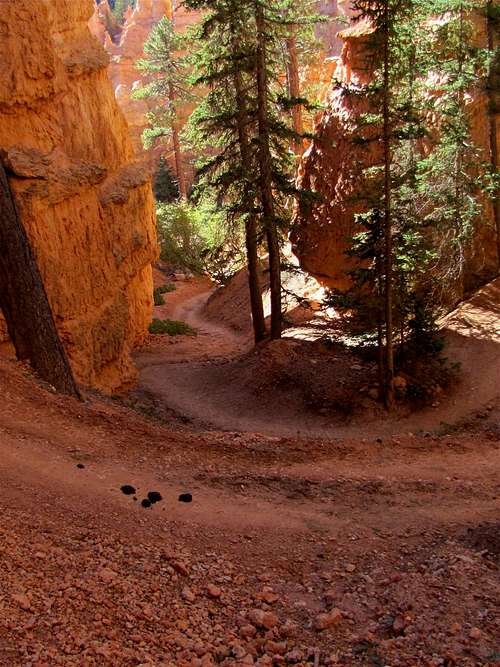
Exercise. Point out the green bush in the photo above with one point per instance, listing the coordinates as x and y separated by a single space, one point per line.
197 237
171 328
158 299
158 293
167 287
165 184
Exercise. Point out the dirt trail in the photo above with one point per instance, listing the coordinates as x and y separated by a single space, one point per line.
190 375
212 342
308 552
399 537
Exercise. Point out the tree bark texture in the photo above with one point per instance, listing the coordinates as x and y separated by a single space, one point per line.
388 242
257 307
265 176
294 90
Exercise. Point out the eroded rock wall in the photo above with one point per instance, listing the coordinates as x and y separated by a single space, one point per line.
334 164
125 49
85 202
333 167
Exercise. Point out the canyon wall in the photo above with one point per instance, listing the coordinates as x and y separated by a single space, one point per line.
125 77
127 47
333 167
85 202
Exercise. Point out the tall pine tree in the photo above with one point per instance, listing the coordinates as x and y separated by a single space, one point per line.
244 117
166 74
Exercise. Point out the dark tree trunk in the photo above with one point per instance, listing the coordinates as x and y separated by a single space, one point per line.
258 319
179 167
388 242
24 302
493 94
294 90
265 176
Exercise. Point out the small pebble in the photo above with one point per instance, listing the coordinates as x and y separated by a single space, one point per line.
80 466
146 503
185 498
128 490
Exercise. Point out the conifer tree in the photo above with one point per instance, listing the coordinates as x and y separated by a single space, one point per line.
453 175
165 185
244 117
224 122
492 15
423 200
167 73
387 18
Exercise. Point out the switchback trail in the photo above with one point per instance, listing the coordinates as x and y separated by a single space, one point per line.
197 376
292 552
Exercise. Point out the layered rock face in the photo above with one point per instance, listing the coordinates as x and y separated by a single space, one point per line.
334 164
125 49
124 54
333 167
86 204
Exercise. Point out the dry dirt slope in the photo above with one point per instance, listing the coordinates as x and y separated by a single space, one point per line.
212 380
292 552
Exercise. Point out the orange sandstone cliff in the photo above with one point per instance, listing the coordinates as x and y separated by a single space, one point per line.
333 167
125 49
86 204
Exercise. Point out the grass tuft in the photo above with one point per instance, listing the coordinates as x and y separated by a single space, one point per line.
171 328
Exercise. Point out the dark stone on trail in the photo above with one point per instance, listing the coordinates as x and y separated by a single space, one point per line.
146 503
135 498
154 497
185 498
128 490
379 440
80 465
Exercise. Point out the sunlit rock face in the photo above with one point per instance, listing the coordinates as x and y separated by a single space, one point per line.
334 164
332 167
125 49
85 202
328 32
103 23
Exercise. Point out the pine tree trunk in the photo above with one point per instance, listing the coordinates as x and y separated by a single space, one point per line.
492 120
258 319
179 167
265 176
294 89
379 270
388 242
24 302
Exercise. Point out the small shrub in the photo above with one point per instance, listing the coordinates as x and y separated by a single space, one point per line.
167 287
198 237
158 299
171 328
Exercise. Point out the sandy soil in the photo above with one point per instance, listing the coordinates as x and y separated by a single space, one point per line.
292 552
365 550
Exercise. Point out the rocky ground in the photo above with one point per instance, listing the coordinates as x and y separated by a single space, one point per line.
368 541
292 552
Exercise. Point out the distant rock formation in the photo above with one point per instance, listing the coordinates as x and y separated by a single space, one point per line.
127 47
86 203
332 167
